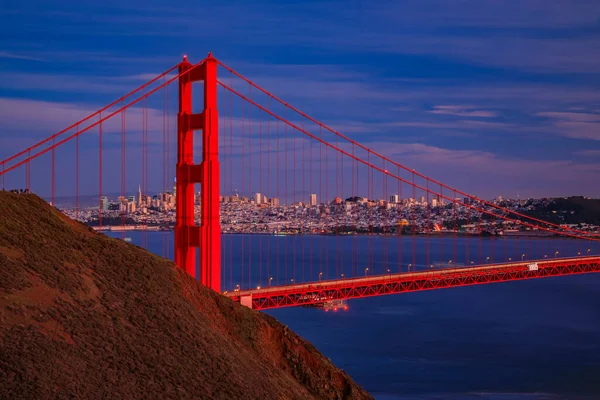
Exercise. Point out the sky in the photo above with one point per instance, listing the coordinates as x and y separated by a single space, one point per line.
495 97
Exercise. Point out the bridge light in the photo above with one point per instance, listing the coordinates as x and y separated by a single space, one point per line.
258 287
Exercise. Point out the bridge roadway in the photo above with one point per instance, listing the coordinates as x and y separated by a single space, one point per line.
340 289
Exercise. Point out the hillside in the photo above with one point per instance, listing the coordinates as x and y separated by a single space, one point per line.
568 210
85 316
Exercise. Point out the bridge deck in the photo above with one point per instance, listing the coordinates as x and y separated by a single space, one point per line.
318 292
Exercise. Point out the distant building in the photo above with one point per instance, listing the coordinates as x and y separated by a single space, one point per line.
313 199
259 198
394 198
104 203
434 202
274 201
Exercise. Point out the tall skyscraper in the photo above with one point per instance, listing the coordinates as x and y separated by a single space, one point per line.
313 199
394 198
139 197
104 201
259 199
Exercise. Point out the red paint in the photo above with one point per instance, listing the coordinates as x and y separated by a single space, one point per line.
188 235
304 294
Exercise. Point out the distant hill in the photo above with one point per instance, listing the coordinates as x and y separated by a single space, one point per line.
568 210
85 316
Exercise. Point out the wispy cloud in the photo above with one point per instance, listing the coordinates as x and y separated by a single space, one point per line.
576 125
463 111
17 56
588 153
476 169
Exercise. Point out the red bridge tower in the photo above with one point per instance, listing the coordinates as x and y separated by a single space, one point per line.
188 235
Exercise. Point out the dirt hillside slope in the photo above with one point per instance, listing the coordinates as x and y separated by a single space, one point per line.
88 317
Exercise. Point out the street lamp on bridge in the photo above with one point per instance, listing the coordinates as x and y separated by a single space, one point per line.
409 265
487 259
522 256
366 271
270 280
556 254
320 275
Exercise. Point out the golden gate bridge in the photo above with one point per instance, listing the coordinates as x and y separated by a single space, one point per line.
254 142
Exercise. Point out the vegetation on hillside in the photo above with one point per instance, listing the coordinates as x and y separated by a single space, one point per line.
567 210
86 316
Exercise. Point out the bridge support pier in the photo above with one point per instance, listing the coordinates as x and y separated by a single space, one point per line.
188 235
246 300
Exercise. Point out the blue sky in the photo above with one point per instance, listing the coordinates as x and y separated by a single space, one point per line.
496 98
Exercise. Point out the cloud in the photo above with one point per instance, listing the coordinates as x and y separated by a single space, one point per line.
489 174
16 56
507 14
52 117
65 83
570 116
463 111
588 153
575 125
